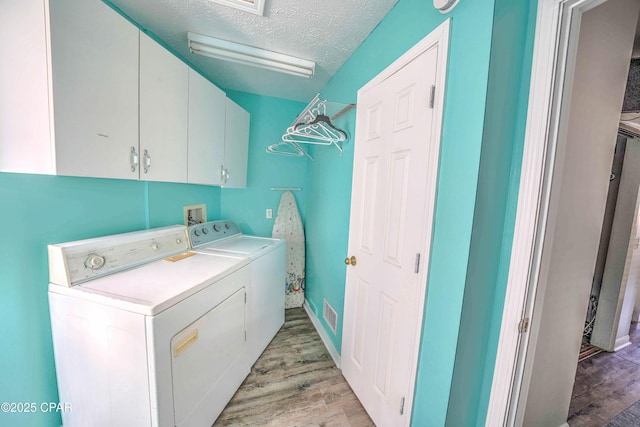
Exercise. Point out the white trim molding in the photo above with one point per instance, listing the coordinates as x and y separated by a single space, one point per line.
527 211
323 334
558 21
621 343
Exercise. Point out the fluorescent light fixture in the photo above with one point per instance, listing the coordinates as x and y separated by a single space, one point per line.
248 55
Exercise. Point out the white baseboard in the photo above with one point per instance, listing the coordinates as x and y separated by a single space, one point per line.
323 334
621 343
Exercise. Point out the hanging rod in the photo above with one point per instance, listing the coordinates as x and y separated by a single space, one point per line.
344 111
286 188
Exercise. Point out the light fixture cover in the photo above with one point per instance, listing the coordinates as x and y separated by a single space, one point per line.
252 6
249 55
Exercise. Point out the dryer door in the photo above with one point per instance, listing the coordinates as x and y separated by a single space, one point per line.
202 353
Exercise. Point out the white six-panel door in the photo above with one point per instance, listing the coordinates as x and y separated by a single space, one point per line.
394 177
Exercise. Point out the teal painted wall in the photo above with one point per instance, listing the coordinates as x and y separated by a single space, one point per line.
463 127
166 202
503 138
270 117
38 210
328 207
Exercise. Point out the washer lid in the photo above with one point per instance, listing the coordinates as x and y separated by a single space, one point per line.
154 287
242 245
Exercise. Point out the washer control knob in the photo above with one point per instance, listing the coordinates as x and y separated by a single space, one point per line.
94 262
216 227
196 232
204 230
178 240
227 225
155 246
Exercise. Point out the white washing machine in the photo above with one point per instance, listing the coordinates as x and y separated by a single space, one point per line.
266 293
144 332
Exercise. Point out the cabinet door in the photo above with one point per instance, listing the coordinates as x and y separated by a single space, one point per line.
25 131
206 131
95 89
164 88
236 145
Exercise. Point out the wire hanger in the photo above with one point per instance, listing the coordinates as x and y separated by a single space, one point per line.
320 128
288 148
312 126
296 138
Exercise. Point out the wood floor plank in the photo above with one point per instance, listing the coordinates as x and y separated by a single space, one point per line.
295 383
606 384
600 369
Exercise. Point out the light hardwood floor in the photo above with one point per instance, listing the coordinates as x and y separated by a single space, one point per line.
295 383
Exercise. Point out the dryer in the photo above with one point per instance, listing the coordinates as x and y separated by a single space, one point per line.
145 332
266 293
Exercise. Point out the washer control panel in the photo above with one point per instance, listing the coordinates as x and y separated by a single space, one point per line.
207 232
76 262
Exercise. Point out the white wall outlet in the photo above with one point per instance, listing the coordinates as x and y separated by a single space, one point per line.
269 213
195 214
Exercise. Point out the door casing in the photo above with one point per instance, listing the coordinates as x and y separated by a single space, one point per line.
555 47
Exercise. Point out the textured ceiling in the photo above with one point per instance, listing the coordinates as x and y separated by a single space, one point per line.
326 32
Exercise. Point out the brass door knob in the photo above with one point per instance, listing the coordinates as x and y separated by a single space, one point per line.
350 261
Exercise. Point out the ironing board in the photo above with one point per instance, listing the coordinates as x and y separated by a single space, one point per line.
288 226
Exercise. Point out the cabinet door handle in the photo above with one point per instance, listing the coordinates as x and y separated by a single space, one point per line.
147 161
226 175
222 174
133 159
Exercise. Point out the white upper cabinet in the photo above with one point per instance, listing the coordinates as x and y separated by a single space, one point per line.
236 148
69 84
164 102
25 129
206 131
94 55
84 93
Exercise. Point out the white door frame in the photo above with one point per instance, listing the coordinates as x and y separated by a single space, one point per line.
555 46
438 37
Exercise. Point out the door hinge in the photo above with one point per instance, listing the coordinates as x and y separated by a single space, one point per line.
523 326
417 266
402 406
432 96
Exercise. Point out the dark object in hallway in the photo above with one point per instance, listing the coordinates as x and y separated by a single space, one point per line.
295 383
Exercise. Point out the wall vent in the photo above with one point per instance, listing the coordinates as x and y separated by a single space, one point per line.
330 316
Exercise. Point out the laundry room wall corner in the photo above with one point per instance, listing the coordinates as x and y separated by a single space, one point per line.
270 117
494 217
